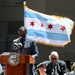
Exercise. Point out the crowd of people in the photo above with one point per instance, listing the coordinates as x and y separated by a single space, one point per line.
53 66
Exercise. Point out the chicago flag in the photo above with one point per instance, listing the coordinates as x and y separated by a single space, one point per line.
47 29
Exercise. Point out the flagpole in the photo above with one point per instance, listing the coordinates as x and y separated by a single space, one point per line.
24 3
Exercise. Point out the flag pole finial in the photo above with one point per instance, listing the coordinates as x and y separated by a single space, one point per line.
24 2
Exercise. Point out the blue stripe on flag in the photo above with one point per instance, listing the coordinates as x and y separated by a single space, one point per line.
48 35
29 14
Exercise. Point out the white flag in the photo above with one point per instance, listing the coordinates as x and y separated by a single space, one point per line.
47 29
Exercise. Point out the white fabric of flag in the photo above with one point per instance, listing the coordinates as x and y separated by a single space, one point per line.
47 29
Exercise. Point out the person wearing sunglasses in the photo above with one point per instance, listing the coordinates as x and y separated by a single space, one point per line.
55 66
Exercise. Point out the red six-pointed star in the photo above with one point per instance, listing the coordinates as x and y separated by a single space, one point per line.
42 25
50 26
32 24
63 28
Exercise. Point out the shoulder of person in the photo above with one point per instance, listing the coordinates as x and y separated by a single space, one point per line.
68 73
15 40
46 62
30 40
73 72
61 62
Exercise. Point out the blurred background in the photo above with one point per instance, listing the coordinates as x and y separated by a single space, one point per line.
12 17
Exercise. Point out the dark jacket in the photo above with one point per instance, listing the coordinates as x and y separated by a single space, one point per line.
60 67
29 47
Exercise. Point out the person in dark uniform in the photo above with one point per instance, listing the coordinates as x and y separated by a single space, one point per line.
55 66
25 45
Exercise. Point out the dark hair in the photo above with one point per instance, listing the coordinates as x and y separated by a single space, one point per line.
22 32
21 28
